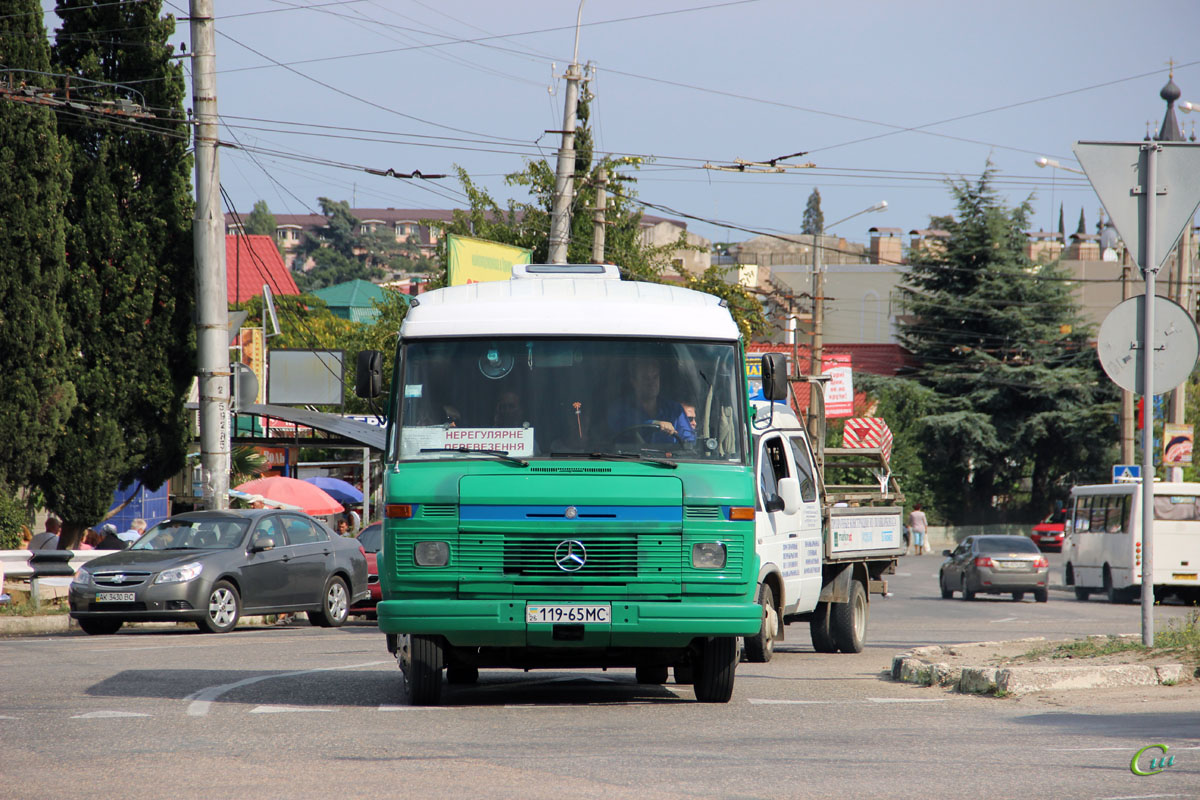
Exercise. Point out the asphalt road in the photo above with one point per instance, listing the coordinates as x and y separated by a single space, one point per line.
303 712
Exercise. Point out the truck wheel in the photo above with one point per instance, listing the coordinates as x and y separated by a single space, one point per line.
761 646
655 674
715 670
421 660
818 629
462 674
1114 594
1081 593
848 621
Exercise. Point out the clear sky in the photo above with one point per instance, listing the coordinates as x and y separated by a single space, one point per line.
887 99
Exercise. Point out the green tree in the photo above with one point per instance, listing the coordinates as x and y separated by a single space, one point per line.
130 293
261 222
814 218
38 393
1001 344
339 252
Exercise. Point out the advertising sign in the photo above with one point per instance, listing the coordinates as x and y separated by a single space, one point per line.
839 391
1177 445
476 261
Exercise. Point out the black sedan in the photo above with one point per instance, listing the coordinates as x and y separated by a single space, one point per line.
211 567
995 565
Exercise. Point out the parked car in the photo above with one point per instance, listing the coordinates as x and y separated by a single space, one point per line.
1050 533
995 565
370 539
211 567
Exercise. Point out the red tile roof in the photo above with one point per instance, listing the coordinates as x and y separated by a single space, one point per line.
251 261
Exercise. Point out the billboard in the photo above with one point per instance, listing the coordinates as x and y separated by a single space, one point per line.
305 377
476 261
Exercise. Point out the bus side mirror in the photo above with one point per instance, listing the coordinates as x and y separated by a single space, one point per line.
368 378
774 376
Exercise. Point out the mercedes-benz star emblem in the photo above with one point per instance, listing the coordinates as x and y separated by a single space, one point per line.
570 555
572 512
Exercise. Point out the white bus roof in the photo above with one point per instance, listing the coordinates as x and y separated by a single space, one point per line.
1135 487
570 306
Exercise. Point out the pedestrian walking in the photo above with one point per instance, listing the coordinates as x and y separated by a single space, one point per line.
918 524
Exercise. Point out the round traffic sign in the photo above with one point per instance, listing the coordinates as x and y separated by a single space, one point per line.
1120 348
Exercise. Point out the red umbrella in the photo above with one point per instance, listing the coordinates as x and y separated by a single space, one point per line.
311 499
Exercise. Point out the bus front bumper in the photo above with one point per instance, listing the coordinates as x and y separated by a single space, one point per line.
502 623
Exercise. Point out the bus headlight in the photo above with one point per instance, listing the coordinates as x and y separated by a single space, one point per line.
431 554
708 555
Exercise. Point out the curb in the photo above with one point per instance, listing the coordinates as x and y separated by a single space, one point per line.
62 623
920 666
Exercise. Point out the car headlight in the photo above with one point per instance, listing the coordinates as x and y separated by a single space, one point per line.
180 574
708 555
82 577
431 554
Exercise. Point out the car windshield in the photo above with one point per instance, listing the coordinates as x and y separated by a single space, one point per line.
371 537
1005 544
184 534
570 398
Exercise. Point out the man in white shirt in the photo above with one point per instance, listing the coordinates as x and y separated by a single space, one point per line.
136 529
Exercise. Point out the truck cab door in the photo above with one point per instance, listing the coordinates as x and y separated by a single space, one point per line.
808 583
777 527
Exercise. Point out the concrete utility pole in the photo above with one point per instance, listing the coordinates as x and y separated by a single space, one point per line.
598 219
208 230
1128 449
564 189
818 332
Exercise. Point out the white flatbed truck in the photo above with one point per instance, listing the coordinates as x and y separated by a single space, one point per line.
824 547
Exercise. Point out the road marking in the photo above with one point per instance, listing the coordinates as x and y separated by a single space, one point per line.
285 709
757 702
1007 619
1104 749
148 647
3 716
201 701
108 715
906 700
413 708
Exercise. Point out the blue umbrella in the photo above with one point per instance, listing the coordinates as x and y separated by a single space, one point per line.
337 489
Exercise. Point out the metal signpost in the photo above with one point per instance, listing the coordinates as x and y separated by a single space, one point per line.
1125 176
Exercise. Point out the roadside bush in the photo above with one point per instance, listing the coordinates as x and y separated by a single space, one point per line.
12 517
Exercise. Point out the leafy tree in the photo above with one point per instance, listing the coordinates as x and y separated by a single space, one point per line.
1002 346
339 252
131 276
38 393
814 218
261 222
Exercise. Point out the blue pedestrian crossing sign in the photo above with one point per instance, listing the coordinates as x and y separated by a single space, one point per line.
1126 472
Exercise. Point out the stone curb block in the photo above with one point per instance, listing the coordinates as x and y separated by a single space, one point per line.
917 666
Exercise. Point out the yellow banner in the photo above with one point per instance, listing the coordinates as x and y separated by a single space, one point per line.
475 260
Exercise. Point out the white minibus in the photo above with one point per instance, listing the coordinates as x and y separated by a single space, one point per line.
1104 541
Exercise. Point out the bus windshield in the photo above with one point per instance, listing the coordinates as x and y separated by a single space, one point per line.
570 398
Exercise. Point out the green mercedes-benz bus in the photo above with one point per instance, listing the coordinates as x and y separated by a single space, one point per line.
568 482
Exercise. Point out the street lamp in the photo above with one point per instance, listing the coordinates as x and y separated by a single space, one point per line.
1050 162
819 321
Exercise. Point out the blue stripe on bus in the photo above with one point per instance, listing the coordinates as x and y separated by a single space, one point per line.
494 513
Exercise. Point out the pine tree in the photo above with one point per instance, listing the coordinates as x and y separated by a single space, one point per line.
1003 347
38 393
814 218
131 296
1082 223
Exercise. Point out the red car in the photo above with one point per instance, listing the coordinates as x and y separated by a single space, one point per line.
370 539
1049 533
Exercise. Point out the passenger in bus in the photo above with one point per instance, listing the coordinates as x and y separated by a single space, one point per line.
643 408
509 413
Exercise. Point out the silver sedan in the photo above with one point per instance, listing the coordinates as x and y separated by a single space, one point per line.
211 567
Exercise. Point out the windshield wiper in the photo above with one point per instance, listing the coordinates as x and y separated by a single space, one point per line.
662 462
500 454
